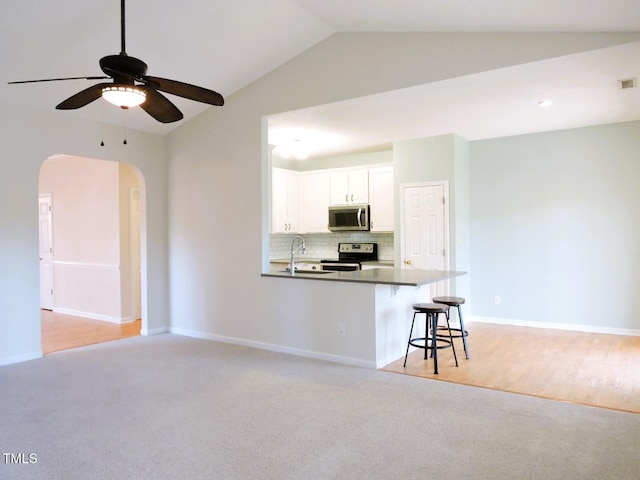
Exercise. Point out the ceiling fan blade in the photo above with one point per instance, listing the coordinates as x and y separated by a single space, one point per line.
83 98
185 90
159 107
58 79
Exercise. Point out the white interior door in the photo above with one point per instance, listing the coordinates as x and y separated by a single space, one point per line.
425 230
46 251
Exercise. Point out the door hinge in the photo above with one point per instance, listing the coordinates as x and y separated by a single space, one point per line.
50 249
49 207
52 291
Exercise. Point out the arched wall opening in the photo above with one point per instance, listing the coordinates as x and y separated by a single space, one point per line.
96 224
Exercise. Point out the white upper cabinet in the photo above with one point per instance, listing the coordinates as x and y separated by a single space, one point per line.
314 194
381 199
284 201
300 200
350 186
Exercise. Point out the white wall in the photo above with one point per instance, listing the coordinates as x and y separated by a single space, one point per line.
28 138
218 181
555 226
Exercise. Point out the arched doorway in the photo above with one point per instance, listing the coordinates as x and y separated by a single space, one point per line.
90 290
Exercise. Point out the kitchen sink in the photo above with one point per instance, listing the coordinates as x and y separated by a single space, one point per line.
307 271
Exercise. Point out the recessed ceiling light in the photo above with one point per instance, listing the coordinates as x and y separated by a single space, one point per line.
544 103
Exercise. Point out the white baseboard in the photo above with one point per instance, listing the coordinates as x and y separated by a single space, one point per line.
356 362
154 331
555 326
20 358
94 316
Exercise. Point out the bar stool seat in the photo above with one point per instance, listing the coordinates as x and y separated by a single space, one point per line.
431 341
461 332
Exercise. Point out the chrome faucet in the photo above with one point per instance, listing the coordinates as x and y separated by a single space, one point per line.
292 265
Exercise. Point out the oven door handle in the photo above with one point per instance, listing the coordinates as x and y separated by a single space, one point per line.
341 266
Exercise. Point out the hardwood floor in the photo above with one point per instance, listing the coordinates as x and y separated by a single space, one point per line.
62 332
587 368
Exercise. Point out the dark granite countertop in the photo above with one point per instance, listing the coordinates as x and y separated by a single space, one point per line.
382 276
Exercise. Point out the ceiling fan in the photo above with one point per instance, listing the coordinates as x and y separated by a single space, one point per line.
132 86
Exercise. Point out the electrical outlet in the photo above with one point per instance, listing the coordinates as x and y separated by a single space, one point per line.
497 300
342 329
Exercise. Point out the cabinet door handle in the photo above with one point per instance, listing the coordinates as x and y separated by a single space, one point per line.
352 197
346 197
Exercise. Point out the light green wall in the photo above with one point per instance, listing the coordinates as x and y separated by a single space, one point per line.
555 226
424 159
461 201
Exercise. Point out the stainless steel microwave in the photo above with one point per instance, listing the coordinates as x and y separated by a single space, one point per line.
348 217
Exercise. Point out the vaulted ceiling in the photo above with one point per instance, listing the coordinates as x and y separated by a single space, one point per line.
225 45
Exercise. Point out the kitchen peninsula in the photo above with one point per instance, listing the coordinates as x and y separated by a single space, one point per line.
364 314
361 317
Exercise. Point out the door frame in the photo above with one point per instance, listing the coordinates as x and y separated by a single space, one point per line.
49 281
403 187
135 246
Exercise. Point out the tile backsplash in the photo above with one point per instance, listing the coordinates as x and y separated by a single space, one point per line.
325 245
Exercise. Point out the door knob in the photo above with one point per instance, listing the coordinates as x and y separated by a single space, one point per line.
408 262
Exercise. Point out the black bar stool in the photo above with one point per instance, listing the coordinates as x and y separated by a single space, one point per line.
431 339
462 332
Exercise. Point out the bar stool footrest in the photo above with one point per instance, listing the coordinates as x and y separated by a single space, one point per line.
444 343
454 335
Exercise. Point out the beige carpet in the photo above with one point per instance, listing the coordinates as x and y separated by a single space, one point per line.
170 407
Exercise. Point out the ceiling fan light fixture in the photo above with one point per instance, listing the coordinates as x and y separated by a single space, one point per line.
124 96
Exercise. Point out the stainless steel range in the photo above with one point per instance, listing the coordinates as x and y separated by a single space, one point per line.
351 256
